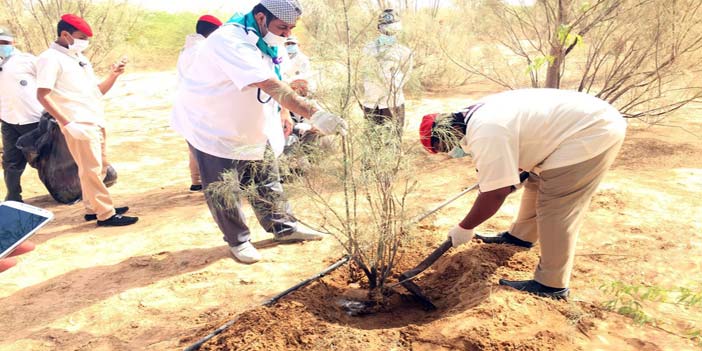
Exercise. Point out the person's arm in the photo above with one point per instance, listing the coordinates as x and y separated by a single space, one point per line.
485 206
45 99
116 71
286 97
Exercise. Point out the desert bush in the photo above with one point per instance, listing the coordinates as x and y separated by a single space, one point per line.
34 22
639 303
639 55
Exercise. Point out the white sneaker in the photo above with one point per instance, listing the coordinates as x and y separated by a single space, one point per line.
245 253
301 233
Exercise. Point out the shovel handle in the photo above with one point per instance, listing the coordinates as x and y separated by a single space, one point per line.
445 246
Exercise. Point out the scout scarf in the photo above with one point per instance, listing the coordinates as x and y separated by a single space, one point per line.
248 23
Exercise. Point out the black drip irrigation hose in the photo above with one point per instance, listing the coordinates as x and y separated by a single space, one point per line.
196 346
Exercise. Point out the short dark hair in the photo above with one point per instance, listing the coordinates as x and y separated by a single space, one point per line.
269 15
205 28
65 26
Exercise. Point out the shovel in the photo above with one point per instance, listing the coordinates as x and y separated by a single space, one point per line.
407 277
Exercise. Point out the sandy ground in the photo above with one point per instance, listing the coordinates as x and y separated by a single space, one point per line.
159 284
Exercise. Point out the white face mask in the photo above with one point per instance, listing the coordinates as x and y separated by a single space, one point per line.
274 40
391 29
79 45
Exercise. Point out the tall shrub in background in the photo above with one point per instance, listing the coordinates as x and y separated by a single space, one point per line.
34 22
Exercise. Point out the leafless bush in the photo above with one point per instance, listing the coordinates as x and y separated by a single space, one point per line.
34 22
639 55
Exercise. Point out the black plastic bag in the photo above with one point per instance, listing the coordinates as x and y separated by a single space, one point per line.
46 150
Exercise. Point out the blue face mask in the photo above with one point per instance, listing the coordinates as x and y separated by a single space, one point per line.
292 49
458 152
384 40
6 51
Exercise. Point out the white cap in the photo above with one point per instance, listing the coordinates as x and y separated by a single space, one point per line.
6 35
287 11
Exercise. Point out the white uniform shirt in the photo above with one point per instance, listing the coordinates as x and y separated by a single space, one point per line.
298 67
187 55
74 86
18 90
536 130
390 69
216 109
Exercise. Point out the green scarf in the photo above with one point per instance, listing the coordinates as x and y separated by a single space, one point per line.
248 23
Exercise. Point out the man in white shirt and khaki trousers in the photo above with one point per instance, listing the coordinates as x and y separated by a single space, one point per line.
228 109
19 109
567 141
70 92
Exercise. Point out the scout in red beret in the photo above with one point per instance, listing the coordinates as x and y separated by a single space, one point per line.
207 24
77 23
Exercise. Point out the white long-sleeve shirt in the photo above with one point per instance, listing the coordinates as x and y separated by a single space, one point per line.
18 90
298 67
187 55
384 81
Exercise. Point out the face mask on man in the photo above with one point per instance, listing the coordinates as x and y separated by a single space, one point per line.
292 49
384 40
390 29
458 152
272 39
79 45
6 51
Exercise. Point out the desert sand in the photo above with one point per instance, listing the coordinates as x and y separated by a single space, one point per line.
170 279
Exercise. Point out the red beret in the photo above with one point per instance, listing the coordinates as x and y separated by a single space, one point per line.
79 23
210 19
425 130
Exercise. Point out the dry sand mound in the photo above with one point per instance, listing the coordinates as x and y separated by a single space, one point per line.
472 314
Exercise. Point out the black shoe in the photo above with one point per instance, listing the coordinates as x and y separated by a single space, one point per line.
536 288
118 210
196 187
504 238
118 221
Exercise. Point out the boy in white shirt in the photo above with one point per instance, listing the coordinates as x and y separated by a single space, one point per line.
70 92
567 141
19 109
205 26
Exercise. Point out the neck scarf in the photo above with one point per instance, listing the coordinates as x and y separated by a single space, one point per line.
248 23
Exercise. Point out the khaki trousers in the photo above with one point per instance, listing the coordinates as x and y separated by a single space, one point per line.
552 210
90 156
194 170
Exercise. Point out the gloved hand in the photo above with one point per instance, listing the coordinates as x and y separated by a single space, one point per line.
77 131
328 123
460 235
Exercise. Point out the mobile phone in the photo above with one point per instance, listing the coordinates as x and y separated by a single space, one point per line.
18 222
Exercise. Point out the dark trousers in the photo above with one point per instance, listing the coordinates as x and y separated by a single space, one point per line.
224 180
383 116
13 160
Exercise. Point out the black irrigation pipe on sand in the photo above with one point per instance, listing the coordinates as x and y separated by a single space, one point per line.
196 346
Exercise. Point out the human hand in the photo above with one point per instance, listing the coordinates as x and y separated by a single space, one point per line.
7 263
118 67
77 131
300 86
460 235
287 122
328 123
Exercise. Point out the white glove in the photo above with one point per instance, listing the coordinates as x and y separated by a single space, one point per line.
77 131
328 123
460 236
